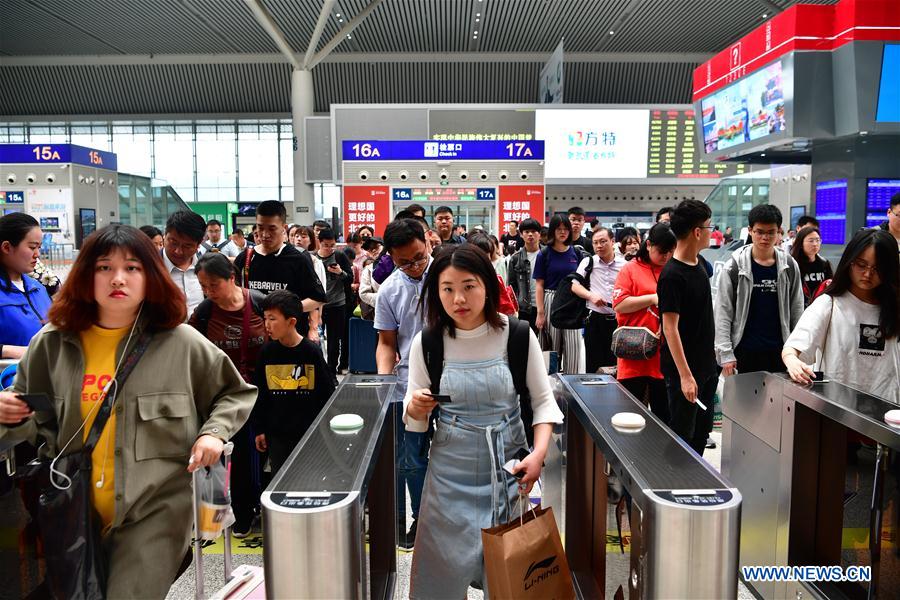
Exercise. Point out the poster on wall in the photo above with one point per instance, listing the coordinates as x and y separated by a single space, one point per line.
594 143
366 205
519 202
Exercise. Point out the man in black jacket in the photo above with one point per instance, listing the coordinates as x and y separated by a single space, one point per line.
338 271
521 269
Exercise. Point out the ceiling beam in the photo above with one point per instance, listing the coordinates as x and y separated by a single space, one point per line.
317 33
349 57
264 18
341 35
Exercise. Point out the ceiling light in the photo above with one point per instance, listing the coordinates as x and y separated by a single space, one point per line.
765 16
476 33
349 37
338 14
611 32
477 14
476 20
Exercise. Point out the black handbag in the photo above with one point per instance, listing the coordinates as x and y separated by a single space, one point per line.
68 527
569 311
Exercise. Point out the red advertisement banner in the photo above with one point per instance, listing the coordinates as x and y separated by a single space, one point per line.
366 205
519 202
802 27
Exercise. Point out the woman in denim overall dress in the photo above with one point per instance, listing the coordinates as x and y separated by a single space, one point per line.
478 430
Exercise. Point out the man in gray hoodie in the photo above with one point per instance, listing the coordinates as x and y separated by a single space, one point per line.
759 299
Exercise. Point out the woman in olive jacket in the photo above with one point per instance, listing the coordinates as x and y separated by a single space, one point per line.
183 400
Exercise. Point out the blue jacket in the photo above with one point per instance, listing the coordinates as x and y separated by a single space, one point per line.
22 314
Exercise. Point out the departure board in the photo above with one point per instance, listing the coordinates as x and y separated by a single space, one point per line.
831 210
672 149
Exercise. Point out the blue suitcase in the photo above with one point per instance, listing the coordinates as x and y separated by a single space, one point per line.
363 340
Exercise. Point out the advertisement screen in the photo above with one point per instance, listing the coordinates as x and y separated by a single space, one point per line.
594 143
831 210
878 199
745 111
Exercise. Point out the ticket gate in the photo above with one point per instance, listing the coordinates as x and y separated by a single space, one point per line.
334 491
820 472
685 518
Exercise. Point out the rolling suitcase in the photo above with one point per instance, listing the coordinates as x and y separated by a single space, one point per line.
363 340
244 582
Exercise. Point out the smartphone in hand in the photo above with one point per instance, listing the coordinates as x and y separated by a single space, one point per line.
521 454
36 402
440 398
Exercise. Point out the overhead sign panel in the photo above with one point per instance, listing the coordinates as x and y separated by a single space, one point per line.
594 143
380 150
673 150
57 153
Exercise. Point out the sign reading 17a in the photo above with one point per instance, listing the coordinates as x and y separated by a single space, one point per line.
518 150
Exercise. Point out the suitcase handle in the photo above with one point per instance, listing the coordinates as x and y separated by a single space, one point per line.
199 588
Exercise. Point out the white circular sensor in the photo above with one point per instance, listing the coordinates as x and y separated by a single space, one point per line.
628 421
892 418
346 423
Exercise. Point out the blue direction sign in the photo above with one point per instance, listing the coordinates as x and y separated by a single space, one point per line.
57 153
401 194
486 194
431 150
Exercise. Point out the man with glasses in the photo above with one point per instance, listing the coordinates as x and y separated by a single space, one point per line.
759 299
398 319
184 232
892 225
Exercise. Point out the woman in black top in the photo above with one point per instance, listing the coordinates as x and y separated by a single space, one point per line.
814 269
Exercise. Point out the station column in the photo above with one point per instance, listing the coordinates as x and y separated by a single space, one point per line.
301 107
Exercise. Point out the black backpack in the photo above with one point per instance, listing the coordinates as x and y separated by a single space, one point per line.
517 354
204 310
569 311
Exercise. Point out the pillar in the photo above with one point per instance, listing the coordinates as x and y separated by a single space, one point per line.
301 107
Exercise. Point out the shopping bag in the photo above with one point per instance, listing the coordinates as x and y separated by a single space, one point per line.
525 558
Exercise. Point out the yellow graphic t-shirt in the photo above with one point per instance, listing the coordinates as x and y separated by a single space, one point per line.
99 367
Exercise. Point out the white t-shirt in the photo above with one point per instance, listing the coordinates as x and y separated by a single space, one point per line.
483 343
854 351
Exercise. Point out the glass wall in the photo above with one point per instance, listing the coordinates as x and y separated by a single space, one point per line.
732 199
145 201
244 160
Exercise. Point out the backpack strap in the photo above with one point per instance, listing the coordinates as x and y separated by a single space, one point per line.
203 312
433 351
517 347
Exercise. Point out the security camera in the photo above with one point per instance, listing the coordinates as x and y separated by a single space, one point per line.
423 175
384 175
403 175
363 175
31 178
503 175
444 175
483 175
112 182
90 180
463 175
102 181
523 175
11 178
81 179
51 177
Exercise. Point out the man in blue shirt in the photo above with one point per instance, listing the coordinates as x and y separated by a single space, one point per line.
398 320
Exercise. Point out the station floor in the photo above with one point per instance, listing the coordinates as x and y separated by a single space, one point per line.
249 551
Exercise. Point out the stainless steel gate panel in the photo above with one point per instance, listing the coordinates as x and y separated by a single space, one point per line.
313 511
685 516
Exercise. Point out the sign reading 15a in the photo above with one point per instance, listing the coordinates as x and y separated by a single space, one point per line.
45 153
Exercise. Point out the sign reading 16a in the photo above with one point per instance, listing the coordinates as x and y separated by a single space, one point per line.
45 153
364 151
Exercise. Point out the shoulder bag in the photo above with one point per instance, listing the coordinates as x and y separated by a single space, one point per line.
57 494
637 343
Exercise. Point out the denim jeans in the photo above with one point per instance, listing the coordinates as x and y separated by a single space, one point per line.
411 455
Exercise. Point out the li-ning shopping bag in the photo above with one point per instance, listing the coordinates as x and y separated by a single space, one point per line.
525 559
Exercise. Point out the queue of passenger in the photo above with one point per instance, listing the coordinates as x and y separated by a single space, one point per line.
257 307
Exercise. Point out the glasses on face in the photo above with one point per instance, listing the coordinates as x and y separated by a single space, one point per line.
815 241
765 234
864 267
894 214
406 267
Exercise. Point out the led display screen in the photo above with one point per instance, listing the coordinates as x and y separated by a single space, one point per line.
749 109
673 152
889 90
594 143
831 210
878 199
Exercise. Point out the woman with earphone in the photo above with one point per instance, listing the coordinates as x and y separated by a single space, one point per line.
183 400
